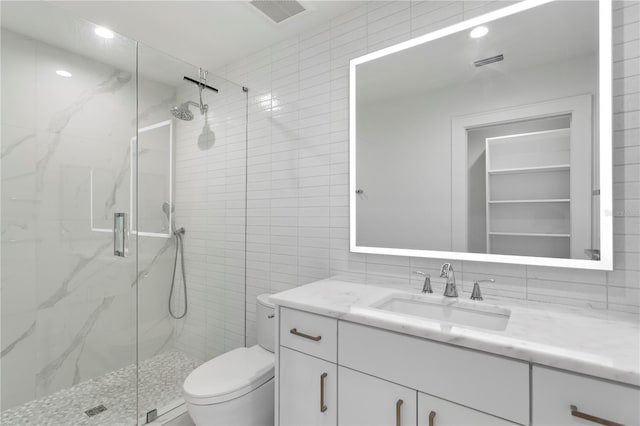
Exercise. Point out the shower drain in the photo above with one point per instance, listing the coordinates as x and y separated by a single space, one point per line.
95 410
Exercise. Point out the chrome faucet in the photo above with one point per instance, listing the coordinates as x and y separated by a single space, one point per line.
447 272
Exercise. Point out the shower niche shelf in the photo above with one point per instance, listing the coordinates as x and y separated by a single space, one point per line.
528 194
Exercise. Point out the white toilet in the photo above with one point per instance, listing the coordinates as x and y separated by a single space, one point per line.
236 388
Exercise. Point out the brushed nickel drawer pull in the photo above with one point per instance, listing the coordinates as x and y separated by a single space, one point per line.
593 419
432 417
306 336
323 407
398 412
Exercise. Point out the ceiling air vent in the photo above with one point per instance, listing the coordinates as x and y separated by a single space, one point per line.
278 11
488 61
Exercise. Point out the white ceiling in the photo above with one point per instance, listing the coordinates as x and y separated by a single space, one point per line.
177 36
204 33
543 35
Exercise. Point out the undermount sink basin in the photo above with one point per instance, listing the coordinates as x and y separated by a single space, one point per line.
446 310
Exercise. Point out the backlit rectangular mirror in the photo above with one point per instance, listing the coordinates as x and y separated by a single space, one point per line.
489 140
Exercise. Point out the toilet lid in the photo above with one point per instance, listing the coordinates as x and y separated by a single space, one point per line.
229 376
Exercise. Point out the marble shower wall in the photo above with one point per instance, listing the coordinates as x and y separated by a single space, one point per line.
68 305
210 204
298 204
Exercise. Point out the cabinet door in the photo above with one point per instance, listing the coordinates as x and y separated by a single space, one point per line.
367 401
308 390
434 411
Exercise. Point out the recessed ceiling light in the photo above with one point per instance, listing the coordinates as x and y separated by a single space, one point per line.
63 73
104 32
478 32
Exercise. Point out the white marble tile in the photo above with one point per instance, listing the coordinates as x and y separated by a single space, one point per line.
18 357
18 272
92 102
19 150
18 80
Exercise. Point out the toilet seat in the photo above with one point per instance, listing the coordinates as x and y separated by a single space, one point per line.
229 376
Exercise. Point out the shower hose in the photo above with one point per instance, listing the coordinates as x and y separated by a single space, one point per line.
179 248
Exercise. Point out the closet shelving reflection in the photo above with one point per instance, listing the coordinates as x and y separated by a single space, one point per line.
528 194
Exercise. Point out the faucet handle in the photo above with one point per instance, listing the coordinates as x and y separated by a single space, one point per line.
426 287
476 294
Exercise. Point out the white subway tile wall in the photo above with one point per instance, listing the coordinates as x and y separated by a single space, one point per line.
210 205
298 229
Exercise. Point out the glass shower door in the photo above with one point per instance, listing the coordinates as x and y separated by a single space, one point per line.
97 176
68 308
191 204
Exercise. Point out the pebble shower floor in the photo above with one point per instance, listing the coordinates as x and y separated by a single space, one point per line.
161 379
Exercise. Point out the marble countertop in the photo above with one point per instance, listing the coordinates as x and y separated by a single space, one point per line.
597 343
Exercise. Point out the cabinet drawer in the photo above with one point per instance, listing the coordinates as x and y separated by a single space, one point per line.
434 411
554 392
488 383
309 333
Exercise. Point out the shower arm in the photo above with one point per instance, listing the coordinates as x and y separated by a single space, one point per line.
202 74
203 107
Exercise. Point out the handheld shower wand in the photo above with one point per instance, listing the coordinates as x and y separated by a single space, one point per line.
178 234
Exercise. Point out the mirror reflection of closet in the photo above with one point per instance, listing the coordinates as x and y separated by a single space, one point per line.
519 188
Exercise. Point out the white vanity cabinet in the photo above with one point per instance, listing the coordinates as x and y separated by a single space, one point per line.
369 376
563 398
336 372
369 401
434 411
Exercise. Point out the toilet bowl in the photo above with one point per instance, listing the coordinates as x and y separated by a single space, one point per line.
236 388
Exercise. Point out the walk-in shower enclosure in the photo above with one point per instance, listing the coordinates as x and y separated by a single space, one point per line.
88 145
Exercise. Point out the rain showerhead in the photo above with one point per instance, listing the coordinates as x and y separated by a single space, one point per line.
182 112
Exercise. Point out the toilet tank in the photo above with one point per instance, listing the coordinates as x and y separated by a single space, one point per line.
265 321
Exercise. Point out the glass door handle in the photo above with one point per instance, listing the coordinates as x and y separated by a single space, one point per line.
120 234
